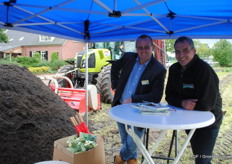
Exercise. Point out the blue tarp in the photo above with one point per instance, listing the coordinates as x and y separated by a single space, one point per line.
119 20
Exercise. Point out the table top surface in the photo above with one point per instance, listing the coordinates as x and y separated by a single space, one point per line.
176 119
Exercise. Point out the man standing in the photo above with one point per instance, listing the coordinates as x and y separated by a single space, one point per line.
193 85
136 77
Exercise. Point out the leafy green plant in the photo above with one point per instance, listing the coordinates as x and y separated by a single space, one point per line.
35 64
42 63
55 65
37 57
222 52
26 61
81 144
2 61
39 70
54 57
3 36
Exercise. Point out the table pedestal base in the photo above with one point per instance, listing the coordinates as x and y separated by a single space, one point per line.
146 154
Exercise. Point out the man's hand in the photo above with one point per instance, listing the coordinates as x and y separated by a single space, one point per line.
127 101
189 104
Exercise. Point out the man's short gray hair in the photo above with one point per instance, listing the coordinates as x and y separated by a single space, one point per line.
183 39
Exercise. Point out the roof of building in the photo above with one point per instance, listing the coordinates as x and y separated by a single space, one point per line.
18 39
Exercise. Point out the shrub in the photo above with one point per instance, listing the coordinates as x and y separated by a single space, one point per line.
42 63
9 58
54 57
37 57
2 61
55 65
26 61
39 70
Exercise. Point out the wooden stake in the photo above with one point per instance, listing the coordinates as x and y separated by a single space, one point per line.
74 122
80 117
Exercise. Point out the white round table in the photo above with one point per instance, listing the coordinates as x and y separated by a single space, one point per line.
51 162
176 119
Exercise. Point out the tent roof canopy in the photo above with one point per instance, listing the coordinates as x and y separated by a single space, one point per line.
119 20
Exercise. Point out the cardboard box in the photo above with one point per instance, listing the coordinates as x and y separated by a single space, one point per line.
95 155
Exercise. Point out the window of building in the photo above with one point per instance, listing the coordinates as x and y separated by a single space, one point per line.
43 54
32 53
44 38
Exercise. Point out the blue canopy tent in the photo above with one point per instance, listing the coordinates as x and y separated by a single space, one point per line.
119 20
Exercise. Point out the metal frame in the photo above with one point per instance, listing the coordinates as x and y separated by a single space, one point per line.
146 154
173 140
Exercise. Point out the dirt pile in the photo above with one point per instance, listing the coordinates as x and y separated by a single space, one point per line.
32 117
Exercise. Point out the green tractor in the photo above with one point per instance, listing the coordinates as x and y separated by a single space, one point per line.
99 66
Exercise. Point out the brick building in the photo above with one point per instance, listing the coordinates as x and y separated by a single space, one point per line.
27 44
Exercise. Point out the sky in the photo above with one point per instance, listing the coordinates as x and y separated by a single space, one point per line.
211 42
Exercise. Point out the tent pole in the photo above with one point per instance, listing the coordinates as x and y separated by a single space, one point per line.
86 83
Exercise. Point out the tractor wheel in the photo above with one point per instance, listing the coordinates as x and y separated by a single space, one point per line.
63 71
104 85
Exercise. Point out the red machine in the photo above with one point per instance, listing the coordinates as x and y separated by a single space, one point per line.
76 98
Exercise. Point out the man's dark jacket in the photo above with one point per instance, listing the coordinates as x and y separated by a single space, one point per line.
150 86
198 81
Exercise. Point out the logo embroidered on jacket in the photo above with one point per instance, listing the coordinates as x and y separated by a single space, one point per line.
145 82
188 86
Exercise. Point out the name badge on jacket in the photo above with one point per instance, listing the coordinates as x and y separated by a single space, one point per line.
145 82
188 86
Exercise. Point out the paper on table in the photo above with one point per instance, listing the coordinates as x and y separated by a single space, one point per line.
166 112
152 108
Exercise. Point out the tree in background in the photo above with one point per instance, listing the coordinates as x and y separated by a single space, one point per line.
169 45
202 49
222 52
3 36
